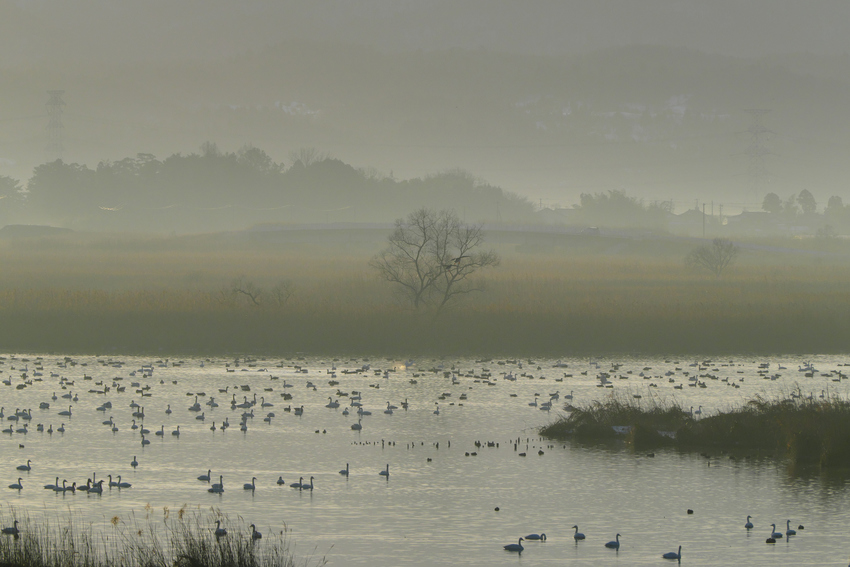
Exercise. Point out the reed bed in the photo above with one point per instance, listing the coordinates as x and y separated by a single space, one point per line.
806 431
184 539
161 296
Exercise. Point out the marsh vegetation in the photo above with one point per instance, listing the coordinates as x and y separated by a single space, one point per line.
186 538
807 431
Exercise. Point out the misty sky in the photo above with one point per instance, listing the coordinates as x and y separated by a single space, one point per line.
140 76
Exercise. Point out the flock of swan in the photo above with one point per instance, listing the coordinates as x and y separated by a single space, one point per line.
150 387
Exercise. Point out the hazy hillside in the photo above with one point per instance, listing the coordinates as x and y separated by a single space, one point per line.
545 118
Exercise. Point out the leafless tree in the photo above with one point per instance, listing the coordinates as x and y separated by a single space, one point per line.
246 288
308 156
283 291
432 256
714 257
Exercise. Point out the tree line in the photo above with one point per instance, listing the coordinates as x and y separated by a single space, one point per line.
214 190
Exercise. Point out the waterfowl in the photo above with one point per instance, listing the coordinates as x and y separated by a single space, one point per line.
134 463
536 536
254 533
385 472
307 486
773 533
123 484
673 554
250 485
788 530
17 485
297 484
12 530
344 472
219 531
614 544
749 524
25 467
205 477
578 535
280 480
515 546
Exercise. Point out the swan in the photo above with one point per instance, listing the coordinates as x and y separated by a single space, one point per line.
344 472
161 431
788 530
331 404
280 481
250 486
773 533
61 428
205 477
578 535
219 531
67 413
13 530
254 533
749 524
123 484
52 486
96 487
673 554
168 409
357 426
17 485
298 411
25 467
58 488
220 484
385 472
515 546
437 412
145 441
297 484
306 486
176 432
111 482
614 544
134 463
541 537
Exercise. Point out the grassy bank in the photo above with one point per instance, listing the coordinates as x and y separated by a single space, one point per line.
162 296
183 539
807 432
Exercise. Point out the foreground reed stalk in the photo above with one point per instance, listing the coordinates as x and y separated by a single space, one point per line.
806 431
187 540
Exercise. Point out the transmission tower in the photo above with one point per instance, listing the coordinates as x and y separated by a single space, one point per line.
55 128
757 150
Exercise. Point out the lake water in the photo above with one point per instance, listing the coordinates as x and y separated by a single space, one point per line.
437 507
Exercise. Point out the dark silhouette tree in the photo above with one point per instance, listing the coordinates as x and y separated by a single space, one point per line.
807 202
772 203
714 257
432 258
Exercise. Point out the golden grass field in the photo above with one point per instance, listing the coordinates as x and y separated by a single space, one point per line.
568 295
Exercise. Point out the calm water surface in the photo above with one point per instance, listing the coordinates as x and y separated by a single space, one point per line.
437 507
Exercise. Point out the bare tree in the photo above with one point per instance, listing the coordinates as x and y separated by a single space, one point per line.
308 156
246 288
432 257
283 291
714 257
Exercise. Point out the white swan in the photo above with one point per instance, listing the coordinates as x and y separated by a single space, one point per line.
297 484
788 530
357 426
145 441
578 535
673 554
25 467
385 472
614 544
66 413
17 485
13 530
123 484
515 546
205 477
541 537
52 486
749 524
176 432
307 486
161 431
344 472
773 533
251 485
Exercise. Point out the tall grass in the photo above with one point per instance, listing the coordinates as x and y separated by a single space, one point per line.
806 431
162 296
186 539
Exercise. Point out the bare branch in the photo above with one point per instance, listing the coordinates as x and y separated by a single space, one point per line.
715 257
